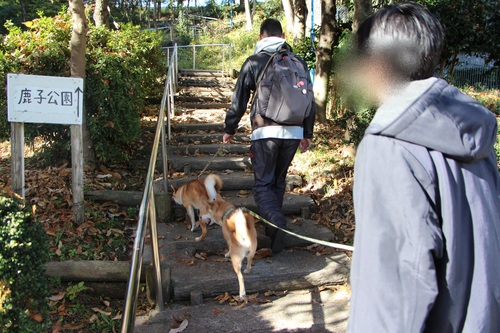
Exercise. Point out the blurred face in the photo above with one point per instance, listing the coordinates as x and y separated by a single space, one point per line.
371 79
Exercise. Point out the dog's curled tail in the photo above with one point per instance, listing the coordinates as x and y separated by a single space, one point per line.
213 184
241 229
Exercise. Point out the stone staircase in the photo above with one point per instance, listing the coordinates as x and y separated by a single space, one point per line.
199 269
195 270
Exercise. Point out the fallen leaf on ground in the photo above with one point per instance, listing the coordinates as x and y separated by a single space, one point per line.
189 262
223 259
101 311
201 256
58 297
243 193
181 327
275 293
36 317
117 317
262 253
223 298
259 300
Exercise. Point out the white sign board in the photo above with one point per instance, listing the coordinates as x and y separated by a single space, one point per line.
44 99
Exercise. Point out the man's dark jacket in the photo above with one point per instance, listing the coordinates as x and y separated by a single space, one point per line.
246 83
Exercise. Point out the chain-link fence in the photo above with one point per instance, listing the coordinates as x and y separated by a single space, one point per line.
473 71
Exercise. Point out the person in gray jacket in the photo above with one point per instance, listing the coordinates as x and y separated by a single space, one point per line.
426 189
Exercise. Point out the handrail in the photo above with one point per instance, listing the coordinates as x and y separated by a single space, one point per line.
147 211
194 46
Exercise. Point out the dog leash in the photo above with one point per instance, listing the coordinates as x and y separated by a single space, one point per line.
309 239
211 160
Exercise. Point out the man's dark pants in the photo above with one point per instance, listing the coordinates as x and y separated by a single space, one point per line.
271 159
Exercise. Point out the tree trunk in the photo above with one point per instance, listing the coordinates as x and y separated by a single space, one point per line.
23 10
159 11
453 64
324 53
148 10
362 9
101 14
290 19
300 17
155 24
248 15
77 64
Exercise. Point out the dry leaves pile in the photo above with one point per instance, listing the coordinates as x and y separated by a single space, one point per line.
328 171
267 297
318 250
105 235
71 318
263 253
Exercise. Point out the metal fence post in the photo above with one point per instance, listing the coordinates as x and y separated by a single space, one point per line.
156 256
223 56
230 55
194 57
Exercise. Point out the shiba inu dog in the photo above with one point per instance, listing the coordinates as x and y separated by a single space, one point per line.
196 194
239 231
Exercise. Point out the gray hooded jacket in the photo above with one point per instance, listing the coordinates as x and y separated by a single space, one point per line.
427 205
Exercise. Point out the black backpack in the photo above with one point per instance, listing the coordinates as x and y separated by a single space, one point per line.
284 93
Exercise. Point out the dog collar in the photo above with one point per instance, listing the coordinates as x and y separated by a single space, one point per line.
227 213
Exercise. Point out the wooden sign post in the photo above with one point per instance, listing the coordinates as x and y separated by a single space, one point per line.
46 100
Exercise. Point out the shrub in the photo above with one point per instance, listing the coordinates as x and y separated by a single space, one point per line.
23 284
122 67
304 48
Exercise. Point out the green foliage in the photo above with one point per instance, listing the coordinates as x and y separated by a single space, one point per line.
272 8
122 67
12 10
9 11
304 48
23 284
243 41
73 291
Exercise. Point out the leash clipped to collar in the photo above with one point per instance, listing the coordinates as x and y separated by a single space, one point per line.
309 239
227 213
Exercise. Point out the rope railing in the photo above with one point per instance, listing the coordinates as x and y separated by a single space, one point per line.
147 212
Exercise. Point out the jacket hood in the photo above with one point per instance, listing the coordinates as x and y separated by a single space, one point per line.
433 114
269 45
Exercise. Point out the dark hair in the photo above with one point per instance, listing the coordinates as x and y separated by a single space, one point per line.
407 35
271 27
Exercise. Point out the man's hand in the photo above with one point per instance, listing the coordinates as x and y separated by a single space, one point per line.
305 144
227 138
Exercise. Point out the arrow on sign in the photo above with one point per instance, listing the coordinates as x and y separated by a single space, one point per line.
78 91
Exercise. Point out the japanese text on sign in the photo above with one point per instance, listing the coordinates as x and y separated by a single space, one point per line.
44 99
